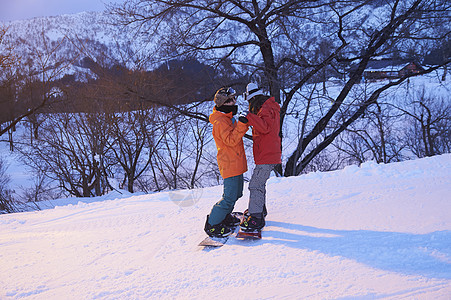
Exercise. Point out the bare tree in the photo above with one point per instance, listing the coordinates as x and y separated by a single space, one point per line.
28 84
72 150
7 57
7 204
133 144
179 160
378 42
198 130
375 136
170 156
42 189
429 117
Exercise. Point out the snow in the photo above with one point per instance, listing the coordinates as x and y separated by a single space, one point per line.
369 232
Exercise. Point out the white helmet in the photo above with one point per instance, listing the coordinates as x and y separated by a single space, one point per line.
251 91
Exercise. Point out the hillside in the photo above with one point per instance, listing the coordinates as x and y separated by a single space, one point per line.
369 232
50 40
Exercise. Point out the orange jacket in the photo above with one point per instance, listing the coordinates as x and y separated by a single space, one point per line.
229 142
265 133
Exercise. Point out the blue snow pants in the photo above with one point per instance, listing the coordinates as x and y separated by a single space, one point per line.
233 190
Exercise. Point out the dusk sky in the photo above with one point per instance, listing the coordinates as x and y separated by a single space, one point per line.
25 9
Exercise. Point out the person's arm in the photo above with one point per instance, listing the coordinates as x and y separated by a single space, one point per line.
263 122
229 135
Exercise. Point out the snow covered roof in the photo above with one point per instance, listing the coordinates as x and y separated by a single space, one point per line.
388 65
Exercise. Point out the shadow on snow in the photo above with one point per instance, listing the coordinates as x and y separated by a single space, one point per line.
411 254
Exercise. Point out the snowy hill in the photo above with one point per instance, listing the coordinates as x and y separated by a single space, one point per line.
71 38
369 232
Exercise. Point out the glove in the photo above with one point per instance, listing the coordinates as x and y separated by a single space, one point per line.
243 117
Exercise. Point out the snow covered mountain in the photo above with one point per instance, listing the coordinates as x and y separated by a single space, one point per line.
94 34
85 24
71 37
369 232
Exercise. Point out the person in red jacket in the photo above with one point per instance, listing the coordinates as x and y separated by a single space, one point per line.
264 117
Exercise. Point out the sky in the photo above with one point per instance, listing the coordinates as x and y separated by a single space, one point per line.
11 10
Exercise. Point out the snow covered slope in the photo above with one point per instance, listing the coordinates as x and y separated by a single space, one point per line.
378 231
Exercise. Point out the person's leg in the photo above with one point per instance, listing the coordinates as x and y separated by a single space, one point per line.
257 188
233 189
255 219
239 189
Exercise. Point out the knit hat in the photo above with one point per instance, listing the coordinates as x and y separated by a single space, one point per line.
251 91
222 95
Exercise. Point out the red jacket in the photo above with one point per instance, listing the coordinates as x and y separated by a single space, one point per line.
265 133
229 142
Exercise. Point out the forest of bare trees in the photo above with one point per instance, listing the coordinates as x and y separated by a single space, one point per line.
272 40
143 128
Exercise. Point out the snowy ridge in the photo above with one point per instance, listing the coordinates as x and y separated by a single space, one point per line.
86 25
375 231
72 36
92 30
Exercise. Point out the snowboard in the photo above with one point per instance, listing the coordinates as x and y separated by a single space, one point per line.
213 242
250 235
254 235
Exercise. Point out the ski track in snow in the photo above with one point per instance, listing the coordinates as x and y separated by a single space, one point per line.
369 232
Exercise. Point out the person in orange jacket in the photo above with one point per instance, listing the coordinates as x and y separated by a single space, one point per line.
264 117
228 135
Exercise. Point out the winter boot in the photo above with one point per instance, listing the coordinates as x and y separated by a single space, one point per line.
253 222
218 230
231 221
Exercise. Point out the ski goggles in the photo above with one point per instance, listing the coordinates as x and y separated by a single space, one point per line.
230 92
